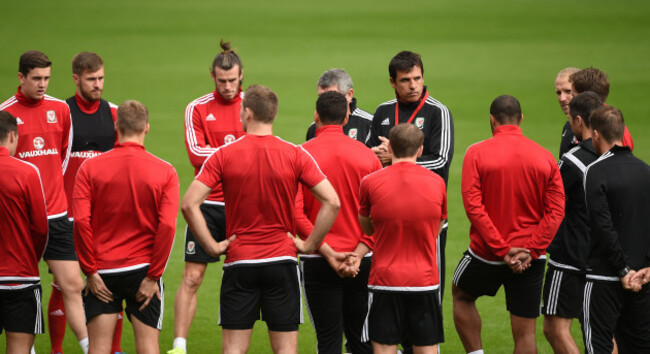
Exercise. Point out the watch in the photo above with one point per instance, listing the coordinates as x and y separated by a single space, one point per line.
623 272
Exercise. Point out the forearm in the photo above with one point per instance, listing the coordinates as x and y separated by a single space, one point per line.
324 221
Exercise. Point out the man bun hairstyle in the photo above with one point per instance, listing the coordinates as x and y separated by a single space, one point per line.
8 124
591 79
404 61
583 104
336 77
332 107
32 59
506 110
608 121
132 118
227 59
262 102
405 140
86 62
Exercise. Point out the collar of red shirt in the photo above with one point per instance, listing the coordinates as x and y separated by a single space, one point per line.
85 106
221 100
329 129
507 129
4 151
129 144
26 100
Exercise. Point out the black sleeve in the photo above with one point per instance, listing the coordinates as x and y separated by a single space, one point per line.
375 129
603 232
311 132
440 144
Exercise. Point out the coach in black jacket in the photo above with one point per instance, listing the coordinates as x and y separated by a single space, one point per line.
617 188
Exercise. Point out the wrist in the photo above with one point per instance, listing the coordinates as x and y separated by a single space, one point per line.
624 272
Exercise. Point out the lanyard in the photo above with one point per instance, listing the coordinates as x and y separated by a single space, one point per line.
426 95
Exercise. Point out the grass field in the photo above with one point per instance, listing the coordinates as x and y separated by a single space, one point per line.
159 52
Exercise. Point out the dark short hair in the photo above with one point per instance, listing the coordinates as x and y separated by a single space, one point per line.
262 102
332 107
336 77
405 140
86 62
506 110
608 121
404 61
591 79
132 118
32 59
227 59
8 124
583 104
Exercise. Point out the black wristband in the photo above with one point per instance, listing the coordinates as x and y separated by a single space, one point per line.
623 272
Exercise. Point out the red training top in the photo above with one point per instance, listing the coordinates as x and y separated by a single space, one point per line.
345 161
44 139
211 120
23 230
260 176
406 204
125 203
513 195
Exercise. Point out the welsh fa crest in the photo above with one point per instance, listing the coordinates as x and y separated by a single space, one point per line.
191 247
419 122
229 139
353 133
51 116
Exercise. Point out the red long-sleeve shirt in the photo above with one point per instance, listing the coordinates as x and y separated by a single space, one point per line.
345 162
211 120
23 226
125 203
513 195
44 139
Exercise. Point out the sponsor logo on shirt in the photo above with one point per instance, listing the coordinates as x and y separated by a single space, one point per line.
385 121
39 143
353 133
19 121
191 247
51 116
210 117
419 122
85 154
229 139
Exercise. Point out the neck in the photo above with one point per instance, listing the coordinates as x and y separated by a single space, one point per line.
258 128
85 105
138 139
411 159
586 135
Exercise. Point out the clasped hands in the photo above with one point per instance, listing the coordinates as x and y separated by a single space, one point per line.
634 280
518 259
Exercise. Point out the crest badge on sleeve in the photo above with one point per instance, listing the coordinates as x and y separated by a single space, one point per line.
353 133
419 122
51 116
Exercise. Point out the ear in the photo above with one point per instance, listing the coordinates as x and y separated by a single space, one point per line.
392 82
346 120
579 119
420 150
390 149
317 120
241 75
212 75
146 129
521 118
493 121
75 78
21 77
349 95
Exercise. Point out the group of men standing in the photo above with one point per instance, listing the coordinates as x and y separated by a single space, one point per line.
366 196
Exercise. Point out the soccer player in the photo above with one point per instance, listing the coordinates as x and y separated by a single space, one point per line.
210 121
617 187
404 207
125 203
567 264
564 92
260 175
358 125
514 199
44 131
93 133
592 79
336 303
412 104
23 233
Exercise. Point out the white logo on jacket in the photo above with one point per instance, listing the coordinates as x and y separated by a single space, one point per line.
419 122
51 116
353 133
39 143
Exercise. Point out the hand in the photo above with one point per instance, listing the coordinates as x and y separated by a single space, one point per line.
351 266
219 248
148 288
301 245
642 276
339 262
518 259
96 286
632 282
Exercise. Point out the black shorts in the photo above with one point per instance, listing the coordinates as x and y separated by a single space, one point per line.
60 244
20 310
124 287
563 292
273 289
612 312
477 278
215 218
394 317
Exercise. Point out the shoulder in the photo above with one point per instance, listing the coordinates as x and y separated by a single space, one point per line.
8 102
432 102
361 115
53 101
25 168
201 100
387 104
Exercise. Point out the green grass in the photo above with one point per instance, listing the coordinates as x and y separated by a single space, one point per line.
159 52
